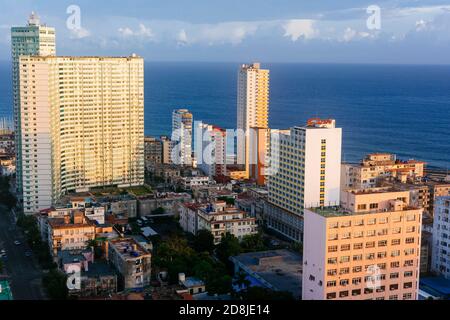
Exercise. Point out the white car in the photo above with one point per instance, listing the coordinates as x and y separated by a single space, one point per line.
17 243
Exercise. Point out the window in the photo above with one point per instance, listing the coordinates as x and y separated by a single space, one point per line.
331 295
407 285
407 296
345 247
409 240
362 206
394 275
345 259
356 292
393 287
357 246
332 260
331 284
333 249
357 257
395 242
408 274
344 271
343 294
332 272
357 269
395 264
356 281
344 282
382 243
370 244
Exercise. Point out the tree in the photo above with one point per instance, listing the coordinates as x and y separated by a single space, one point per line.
253 242
55 283
241 280
219 284
204 241
229 246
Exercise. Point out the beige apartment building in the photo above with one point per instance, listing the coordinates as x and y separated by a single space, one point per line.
82 125
377 166
70 232
366 249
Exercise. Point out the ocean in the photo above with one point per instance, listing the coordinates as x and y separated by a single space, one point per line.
401 109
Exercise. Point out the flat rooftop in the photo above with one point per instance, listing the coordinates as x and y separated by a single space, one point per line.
337 211
282 269
128 248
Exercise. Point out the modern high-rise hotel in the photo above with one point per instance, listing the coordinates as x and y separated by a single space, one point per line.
252 109
305 165
81 125
34 39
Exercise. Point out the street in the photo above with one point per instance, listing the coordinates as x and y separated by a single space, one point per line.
24 273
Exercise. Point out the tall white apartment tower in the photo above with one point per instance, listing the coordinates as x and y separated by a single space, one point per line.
182 122
211 150
306 174
252 107
34 39
82 125
440 259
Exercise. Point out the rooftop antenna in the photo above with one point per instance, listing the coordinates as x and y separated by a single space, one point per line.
33 20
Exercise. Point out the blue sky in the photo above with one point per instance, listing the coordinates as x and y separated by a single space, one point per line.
411 31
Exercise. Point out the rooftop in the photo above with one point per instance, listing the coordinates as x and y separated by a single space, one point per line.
281 269
128 248
337 211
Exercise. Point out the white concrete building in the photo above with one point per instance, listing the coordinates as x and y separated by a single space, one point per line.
211 151
34 39
217 217
252 107
182 125
77 131
306 173
440 260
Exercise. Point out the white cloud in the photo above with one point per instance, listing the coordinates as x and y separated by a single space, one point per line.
142 31
300 28
182 38
79 33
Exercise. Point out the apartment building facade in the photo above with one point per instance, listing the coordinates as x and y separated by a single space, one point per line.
34 39
366 249
252 108
182 125
82 125
440 261
304 174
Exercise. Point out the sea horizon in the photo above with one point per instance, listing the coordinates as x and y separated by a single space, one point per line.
397 108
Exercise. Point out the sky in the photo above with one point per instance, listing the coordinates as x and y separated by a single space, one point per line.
319 31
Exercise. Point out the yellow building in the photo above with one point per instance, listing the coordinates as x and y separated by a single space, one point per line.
378 166
252 108
82 125
71 232
366 249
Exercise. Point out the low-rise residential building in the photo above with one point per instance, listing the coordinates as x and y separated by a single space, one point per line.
279 270
169 201
440 262
71 232
188 183
377 166
217 217
131 261
366 249
153 151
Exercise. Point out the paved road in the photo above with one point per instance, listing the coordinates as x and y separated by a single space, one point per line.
24 273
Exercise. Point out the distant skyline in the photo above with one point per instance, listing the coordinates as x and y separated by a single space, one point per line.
326 31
